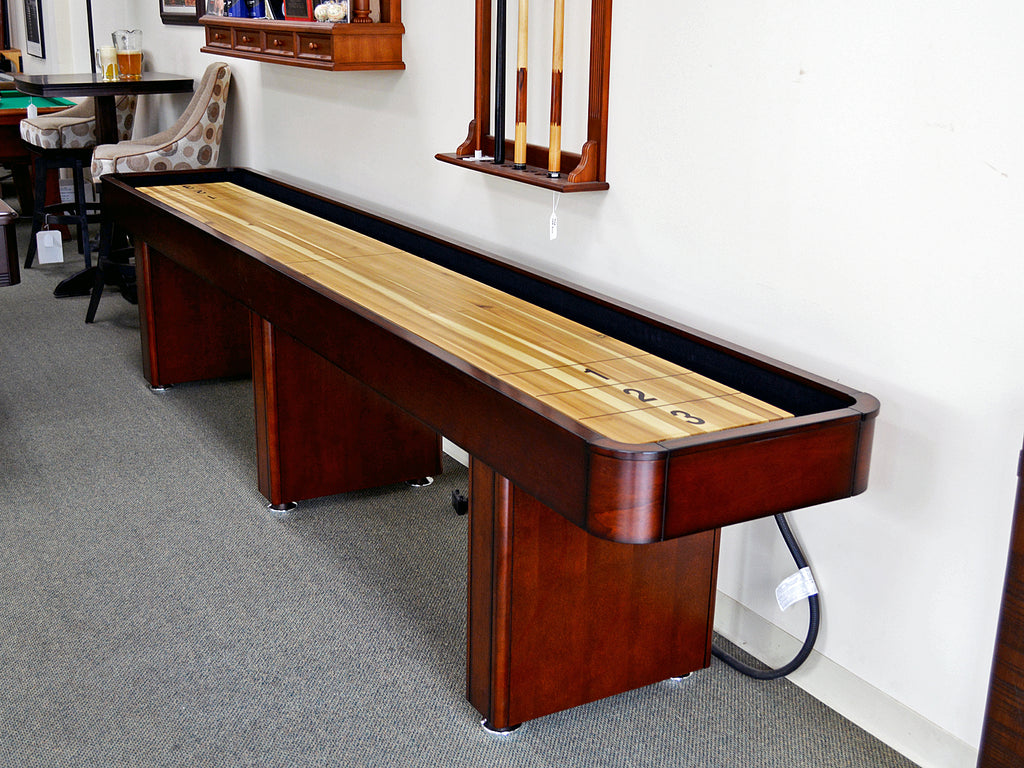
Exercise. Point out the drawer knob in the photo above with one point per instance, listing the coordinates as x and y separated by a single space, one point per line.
278 43
246 39
314 46
218 36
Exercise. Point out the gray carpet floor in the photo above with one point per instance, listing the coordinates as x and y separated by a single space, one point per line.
154 613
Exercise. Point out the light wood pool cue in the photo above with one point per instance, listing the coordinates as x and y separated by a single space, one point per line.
557 44
499 83
519 161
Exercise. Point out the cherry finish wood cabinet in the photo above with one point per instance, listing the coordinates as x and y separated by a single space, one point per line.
310 44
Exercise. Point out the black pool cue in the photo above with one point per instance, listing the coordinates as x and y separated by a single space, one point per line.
499 84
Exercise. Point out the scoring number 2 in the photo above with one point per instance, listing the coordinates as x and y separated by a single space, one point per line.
640 395
644 398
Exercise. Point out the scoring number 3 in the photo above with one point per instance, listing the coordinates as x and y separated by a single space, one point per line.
687 417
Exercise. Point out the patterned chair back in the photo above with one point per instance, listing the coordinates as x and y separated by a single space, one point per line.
192 142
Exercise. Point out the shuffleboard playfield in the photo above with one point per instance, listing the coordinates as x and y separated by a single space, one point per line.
612 387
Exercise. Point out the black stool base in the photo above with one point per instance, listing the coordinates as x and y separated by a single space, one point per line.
79 284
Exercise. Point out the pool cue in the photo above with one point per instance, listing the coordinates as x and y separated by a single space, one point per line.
499 84
519 162
555 139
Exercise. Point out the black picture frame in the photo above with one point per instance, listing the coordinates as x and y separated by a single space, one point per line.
6 25
181 11
298 9
35 44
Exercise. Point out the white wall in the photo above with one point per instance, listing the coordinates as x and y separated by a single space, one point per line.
65 36
837 185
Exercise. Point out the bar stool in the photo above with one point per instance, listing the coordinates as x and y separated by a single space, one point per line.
192 142
66 139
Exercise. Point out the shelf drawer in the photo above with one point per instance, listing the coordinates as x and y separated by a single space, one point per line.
279 43
218 37
318 47
248 40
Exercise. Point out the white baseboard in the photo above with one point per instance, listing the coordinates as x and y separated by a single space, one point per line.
889 721
454 451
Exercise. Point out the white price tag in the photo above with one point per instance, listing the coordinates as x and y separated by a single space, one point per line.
49 246
553 223
796 588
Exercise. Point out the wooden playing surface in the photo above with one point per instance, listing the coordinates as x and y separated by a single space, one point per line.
613 388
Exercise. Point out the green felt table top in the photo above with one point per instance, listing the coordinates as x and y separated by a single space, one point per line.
15 100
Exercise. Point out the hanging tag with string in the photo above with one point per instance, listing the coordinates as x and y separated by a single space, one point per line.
553 224
49 245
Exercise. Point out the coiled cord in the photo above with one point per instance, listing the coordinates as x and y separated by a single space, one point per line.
814 620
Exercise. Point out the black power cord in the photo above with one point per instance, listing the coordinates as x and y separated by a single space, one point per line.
814 621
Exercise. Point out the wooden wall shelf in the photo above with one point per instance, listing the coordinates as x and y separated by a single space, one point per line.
311 44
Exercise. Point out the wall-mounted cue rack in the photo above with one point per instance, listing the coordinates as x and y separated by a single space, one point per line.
532 163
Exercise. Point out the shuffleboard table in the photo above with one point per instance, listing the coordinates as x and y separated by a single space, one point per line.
608 447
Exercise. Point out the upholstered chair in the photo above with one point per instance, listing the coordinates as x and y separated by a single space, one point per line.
75 127
192 142
66 139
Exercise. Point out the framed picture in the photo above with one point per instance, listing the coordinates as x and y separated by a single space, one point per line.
34 45
298 9
180 11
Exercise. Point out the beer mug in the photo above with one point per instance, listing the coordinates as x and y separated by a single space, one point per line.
106 60
128 43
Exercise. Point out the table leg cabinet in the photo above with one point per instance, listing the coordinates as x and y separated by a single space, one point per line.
558 617
319 432
190 330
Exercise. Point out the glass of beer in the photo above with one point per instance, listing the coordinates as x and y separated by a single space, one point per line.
128 43
106 59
